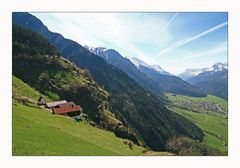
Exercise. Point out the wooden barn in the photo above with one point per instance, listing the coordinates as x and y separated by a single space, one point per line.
63 107
68 109
52 105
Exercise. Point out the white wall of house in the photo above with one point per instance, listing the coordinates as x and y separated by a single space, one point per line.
77 117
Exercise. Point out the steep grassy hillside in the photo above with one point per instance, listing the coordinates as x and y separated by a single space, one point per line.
55 76
144 116
213 121
38 132
21 89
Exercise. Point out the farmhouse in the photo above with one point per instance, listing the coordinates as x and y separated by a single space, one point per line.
63 108
51 105
68 109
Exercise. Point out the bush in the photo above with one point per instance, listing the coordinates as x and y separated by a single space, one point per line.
145 151
129 143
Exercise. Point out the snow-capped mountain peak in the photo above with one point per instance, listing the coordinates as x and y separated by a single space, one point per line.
220 66
96 50
189 73
160 70
105 53
137 62
157 68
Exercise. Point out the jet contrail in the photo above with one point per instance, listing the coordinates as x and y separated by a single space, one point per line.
169 21
188 40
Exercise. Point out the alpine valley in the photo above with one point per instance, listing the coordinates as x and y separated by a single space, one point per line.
212 80
129 107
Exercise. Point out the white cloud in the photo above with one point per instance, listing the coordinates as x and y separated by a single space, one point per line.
215 50
122 31
139 35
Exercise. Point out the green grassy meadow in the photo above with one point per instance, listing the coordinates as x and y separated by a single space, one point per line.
214 125
21 89
37 132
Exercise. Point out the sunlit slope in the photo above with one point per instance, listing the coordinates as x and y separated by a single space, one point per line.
21 89
38 132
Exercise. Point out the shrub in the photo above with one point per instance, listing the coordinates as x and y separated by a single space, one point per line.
145 151
129 143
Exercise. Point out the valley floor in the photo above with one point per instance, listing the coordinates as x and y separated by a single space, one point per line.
214 123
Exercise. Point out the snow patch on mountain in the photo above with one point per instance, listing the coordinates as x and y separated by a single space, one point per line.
189 73
158 68
104 52
219 66
96 50
138 62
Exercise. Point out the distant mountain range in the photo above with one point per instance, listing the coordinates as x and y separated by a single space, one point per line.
190 73
153 78
142 113
213 80
140 63
115 58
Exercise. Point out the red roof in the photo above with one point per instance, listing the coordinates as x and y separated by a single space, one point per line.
67 109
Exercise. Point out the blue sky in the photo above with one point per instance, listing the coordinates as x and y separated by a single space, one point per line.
175 41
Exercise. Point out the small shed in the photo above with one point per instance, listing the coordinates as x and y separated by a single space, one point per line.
41 101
